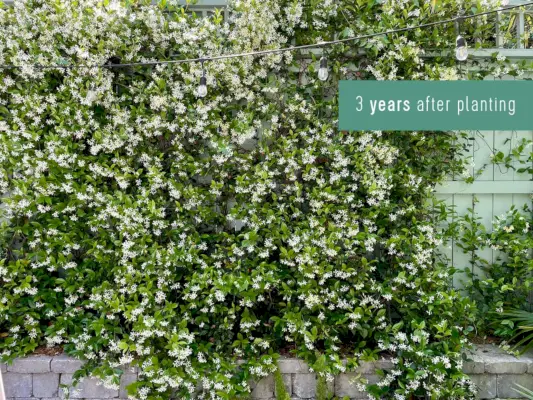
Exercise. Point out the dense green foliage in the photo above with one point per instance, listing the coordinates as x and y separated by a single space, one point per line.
281 392
523 323
498 268
146 225
498 275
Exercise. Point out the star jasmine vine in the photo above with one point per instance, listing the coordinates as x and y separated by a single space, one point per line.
195 237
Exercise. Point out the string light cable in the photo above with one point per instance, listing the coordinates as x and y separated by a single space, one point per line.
461 51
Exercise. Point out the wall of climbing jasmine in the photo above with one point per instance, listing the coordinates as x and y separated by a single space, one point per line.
146 225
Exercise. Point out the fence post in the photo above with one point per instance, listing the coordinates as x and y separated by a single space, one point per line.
520 29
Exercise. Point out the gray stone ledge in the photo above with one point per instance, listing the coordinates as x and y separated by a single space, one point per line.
31 364
497 361
64 364
476 365
292 366
369 367
38 378
88 388
506 367
501 363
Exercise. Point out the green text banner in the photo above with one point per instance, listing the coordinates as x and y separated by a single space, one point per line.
436 105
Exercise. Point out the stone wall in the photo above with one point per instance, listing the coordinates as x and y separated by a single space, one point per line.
39 377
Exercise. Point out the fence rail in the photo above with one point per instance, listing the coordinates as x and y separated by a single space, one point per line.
518 23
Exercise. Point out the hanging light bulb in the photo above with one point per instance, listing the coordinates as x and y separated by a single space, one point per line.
202 88
323 72
461 50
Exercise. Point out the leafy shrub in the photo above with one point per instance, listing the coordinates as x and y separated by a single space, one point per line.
146 225
504 282
523 321
322 392
281 392
524 392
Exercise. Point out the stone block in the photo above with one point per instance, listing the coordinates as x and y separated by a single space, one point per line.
17 385
264 389
64 364
129 369
506 367
30 365
304 385
507 385
292 366
486 386
89 388
45 385
498 362
365 367
369 367
474 365
287 382
345 387
383 364
125 380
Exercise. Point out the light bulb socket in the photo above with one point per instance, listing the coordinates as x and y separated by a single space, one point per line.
460 42
203 81
113 60
458 20
323 62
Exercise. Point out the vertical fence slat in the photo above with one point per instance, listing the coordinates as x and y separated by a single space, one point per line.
483 152
499 36
461 261
520 30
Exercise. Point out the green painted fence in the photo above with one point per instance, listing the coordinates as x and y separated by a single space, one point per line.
496 187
